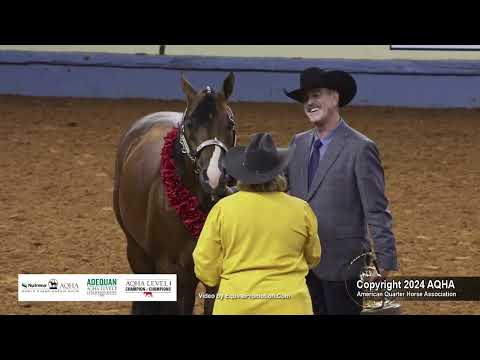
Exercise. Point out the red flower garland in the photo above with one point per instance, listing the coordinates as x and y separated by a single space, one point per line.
185 203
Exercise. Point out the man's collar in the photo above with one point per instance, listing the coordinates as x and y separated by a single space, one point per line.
329 137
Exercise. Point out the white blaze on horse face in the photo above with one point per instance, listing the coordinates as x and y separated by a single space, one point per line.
213 171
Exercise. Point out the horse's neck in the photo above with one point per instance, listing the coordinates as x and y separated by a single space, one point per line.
189 179
184 168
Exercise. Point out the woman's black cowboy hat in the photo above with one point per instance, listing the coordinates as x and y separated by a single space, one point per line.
315 78
259 162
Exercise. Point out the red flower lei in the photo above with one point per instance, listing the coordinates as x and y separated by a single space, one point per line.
185 203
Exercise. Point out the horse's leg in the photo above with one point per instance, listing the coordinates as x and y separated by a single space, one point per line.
210 300
140 263
187 284
161 262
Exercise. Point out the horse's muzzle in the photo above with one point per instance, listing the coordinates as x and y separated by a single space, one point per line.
222 188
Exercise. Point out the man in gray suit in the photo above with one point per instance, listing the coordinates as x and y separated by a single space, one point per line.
338 171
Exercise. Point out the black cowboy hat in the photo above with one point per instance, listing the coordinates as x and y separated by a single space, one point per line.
259 162
315 78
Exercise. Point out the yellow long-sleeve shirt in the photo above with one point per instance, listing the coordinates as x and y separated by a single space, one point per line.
259 247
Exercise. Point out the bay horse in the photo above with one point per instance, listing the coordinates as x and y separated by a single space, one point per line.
157 239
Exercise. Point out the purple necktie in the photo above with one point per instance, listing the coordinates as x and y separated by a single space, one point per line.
314 160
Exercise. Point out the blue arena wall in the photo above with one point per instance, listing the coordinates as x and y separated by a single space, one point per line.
402 83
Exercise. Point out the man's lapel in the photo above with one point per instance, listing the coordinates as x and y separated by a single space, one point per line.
333 151
304 155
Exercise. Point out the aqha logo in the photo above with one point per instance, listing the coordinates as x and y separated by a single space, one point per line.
69 286
148 294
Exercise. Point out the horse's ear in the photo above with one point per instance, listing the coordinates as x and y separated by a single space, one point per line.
188 90
228 85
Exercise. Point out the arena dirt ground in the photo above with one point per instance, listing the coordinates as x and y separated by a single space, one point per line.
56 166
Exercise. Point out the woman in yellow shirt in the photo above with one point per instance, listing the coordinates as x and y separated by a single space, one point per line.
259 243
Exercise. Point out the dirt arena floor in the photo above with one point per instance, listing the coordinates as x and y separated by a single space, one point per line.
56 166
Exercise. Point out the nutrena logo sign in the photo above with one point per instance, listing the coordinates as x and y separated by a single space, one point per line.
97 287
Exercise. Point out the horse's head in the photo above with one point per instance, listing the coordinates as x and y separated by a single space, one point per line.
207 132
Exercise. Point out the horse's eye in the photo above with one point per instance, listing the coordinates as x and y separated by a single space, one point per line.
189 125
230 125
